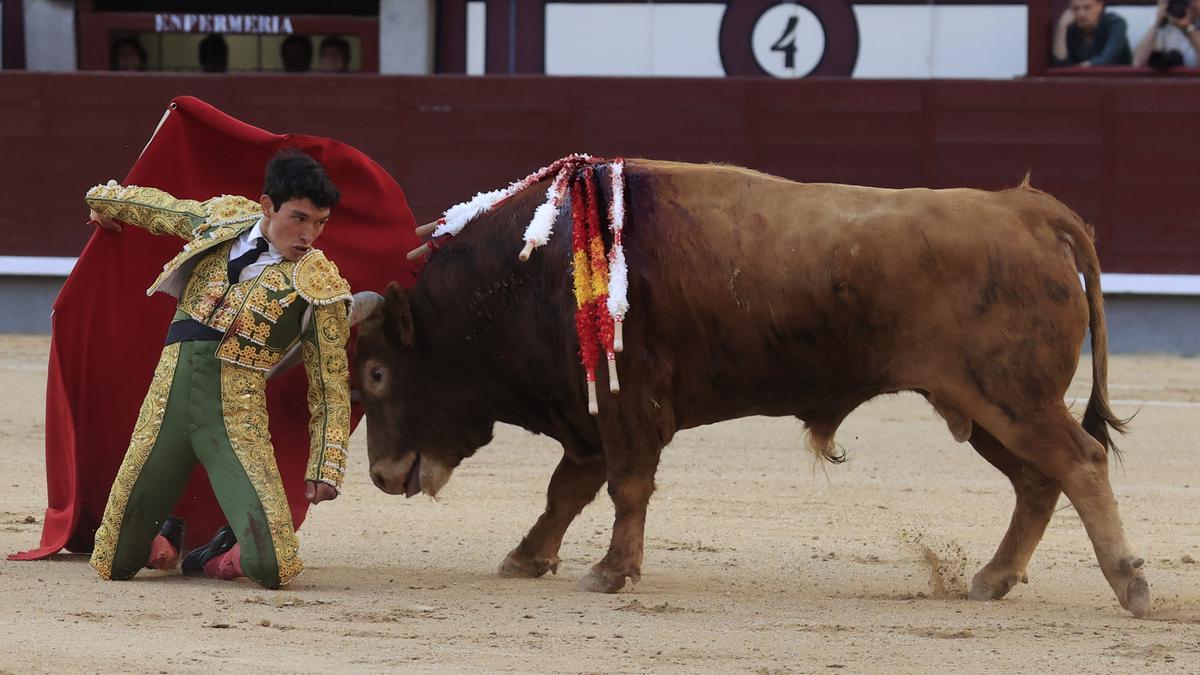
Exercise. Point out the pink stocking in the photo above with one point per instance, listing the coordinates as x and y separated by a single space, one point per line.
227 565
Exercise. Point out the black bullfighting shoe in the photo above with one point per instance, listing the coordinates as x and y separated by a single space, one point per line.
167 545
222 541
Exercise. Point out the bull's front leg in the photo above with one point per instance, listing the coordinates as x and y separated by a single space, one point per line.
630 484
573 486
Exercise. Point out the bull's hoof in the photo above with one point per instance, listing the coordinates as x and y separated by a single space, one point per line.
1136 597
991 586
601 581
517 565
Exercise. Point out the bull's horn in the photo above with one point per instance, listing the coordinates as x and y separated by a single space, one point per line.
428 228
366 303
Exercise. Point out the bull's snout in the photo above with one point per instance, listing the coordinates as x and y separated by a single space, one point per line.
398 476
410 475
380 481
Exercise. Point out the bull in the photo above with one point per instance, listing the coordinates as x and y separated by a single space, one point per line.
755 295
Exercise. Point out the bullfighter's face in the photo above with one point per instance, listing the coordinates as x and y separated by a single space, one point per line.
294 227
415 433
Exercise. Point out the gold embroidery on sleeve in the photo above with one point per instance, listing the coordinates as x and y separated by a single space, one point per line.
318 280
149 208
324 348
228 210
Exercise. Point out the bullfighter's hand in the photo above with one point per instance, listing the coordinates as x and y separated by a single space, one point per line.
103 221
316 492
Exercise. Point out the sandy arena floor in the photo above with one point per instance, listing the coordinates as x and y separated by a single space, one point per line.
758 559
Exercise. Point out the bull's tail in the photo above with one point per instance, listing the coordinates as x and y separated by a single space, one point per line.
1098 416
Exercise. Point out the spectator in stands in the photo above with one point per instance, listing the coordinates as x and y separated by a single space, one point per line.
126 54
334 55
214 54
1174 37
296 52
1087 35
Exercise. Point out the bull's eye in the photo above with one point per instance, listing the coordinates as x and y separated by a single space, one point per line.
375 377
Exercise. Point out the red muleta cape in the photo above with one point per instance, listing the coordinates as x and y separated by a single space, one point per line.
107 335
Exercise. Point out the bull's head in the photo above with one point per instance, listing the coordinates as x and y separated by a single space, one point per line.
421 420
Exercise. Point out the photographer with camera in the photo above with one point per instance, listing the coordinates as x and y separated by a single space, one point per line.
1086 35
1174 37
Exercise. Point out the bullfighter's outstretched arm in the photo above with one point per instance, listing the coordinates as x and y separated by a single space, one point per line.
324 347
159 212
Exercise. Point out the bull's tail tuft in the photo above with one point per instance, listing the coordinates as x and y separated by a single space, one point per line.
1098 417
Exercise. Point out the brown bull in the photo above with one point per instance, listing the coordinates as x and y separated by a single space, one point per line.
754 295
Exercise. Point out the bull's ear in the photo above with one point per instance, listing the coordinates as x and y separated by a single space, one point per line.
398 317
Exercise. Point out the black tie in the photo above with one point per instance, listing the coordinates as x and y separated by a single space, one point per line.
245 260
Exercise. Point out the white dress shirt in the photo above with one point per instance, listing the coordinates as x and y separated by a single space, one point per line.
245 242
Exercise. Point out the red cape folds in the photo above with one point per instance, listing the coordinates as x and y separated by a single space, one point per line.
107 335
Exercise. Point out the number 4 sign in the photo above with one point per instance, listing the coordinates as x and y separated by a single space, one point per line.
797 50
789 39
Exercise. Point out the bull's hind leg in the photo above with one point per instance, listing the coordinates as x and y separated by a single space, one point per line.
573 486
1089 490
1060 449
1036 497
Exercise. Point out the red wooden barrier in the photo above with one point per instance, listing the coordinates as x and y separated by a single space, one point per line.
1117 150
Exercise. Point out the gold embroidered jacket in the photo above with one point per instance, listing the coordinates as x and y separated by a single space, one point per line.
261 318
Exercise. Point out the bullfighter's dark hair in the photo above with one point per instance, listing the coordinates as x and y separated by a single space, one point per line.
291 174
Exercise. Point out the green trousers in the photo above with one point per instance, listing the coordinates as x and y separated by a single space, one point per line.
200 409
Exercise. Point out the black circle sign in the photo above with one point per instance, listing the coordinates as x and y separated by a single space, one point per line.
740 27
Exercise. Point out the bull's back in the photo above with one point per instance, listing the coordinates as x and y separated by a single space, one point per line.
785 296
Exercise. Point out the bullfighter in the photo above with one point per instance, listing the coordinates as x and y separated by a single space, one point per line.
250 286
